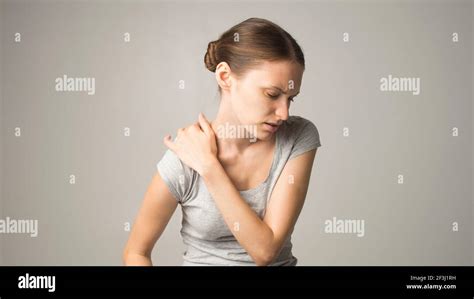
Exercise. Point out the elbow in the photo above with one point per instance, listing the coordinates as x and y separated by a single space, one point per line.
132 258
266 253
265 258
125 257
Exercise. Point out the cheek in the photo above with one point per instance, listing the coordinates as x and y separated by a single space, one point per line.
251 106
256 108
245 104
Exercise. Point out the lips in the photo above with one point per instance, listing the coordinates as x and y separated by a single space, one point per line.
273 124
271 127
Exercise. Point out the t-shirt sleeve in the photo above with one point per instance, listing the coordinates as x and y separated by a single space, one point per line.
176 175
306 138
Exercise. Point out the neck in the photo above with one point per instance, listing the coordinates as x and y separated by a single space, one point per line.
232 137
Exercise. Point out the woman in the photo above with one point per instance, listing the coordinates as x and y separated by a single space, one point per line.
240 196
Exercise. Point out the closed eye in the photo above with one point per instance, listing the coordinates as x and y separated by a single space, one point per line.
273 96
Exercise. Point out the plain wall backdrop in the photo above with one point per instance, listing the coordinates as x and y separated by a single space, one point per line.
370 138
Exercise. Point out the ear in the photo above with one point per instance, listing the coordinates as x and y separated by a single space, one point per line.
223 75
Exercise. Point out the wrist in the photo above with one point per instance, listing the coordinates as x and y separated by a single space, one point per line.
210 167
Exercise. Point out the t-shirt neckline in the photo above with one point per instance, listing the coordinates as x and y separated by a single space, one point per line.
259 187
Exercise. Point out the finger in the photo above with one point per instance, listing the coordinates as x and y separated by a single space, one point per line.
204 123
170 144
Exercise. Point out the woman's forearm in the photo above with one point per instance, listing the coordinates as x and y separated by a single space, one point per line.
250 231
134 259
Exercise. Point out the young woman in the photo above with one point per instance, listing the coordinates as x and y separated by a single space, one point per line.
240 195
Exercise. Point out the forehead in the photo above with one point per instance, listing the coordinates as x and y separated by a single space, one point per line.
276 73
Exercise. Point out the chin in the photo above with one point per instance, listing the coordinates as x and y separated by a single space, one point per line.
264 135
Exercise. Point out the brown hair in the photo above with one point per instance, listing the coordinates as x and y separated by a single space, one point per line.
250 42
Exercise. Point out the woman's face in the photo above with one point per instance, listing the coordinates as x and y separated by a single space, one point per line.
264 94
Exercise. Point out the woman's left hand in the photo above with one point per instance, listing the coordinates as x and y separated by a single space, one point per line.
195 145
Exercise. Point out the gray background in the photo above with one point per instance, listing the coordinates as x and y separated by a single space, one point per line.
137 86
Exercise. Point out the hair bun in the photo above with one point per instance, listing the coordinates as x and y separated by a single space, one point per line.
210 59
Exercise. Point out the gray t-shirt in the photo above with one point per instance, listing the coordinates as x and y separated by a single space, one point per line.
207 237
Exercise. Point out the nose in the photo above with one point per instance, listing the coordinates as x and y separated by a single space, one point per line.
282 110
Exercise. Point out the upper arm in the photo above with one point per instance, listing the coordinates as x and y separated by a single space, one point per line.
288 197
157 209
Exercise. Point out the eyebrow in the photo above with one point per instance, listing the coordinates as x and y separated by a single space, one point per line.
272 86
